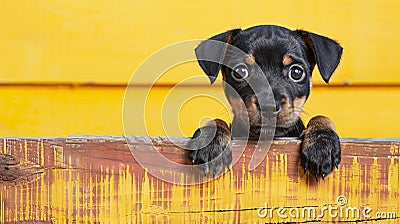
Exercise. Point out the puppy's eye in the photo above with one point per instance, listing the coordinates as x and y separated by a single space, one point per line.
240 72
296 73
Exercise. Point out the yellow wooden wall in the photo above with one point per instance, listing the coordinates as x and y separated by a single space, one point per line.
64 65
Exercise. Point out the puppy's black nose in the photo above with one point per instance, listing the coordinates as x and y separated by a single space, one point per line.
273 108
278 107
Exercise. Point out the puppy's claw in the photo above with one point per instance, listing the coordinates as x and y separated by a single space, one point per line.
205 172
210 148
320 149
305 168
337 165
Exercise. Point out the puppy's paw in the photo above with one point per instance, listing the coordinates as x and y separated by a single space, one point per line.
210 147
321 147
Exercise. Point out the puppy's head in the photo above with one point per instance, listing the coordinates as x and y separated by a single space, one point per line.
283 57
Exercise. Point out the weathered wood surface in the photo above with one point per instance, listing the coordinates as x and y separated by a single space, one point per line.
88 179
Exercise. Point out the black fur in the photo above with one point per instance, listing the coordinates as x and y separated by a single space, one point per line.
268 46
211 155
321 152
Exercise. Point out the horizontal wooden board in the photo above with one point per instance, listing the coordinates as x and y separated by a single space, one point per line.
68 110
93 179
105 41
60 111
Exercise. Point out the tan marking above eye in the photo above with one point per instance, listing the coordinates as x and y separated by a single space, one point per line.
250 60
287 60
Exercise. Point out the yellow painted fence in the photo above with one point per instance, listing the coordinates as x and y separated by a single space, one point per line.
65 64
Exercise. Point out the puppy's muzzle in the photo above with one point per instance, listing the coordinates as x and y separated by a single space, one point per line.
270 107
269 113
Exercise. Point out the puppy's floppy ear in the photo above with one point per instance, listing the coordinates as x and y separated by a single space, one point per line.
327 53
211 53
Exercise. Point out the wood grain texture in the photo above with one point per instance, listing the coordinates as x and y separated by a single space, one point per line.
88 179
62 111
105 41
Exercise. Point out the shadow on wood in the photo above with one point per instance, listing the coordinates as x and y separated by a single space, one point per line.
97 180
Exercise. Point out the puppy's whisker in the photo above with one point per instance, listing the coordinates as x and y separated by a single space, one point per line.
306 113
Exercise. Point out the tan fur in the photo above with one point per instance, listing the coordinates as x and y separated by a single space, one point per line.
298 103
290 113
219 123
321 122
228 41
252 110
238 108
287 60
223 78
248 111
222 124
250 60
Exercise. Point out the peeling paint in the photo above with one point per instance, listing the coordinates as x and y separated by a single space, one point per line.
101 187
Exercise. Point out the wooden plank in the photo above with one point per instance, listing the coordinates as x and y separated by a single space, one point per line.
97 180
63 110
104 42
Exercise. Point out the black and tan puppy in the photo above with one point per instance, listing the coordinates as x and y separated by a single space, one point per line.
286 58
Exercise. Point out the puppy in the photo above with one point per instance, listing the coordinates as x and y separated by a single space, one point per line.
286 59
